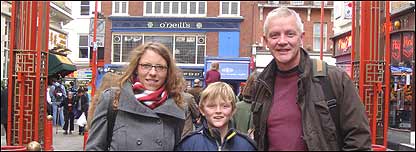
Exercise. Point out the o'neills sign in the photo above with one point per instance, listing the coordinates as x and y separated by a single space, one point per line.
174 25
168 25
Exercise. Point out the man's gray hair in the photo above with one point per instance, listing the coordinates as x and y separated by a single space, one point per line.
282 12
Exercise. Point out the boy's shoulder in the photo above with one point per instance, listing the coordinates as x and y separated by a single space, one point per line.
241 137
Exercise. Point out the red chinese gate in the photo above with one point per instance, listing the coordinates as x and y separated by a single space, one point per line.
27 81
370 58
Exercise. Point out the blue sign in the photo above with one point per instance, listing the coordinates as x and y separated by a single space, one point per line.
234 71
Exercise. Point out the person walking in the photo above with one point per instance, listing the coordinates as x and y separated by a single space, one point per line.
290 110
196 90
217 107
213 75
150 109
68 113
57 94
81 105
243 115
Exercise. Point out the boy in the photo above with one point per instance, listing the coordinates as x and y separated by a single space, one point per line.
217 107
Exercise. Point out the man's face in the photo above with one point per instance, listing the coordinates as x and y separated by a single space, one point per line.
284 40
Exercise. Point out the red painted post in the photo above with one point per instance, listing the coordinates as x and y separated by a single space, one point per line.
353 39
387 71
322 30
48 134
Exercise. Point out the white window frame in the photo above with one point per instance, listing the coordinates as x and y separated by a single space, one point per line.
318 3
229 9
196 35
87 46
170 14
316 47
297 3
120 3
89 8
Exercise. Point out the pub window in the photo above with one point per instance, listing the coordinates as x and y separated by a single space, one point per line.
175 8
185 49
230 8
85 8
120 7
83 46
317 36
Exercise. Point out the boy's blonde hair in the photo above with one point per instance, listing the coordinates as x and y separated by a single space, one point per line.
218 89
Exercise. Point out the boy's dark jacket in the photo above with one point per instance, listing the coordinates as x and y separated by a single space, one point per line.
205 139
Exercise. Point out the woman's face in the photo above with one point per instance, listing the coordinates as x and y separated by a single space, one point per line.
152 70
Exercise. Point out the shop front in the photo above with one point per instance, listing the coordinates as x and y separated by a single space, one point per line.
342 53
402 75
190 73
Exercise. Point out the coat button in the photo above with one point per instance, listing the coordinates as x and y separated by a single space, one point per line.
139 142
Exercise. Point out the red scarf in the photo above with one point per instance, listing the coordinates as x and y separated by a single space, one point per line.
152 99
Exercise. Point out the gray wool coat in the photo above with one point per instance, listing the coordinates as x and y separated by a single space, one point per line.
137 127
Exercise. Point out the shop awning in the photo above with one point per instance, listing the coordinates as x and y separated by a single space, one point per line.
59 64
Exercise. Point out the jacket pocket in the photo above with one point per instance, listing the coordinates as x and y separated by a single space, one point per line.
326 122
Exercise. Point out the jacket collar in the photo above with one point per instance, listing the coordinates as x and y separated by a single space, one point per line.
213 134
267 77
128 103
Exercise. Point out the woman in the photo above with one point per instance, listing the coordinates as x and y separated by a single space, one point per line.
68 113
213 75
150 112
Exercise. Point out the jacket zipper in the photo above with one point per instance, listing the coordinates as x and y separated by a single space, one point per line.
219 146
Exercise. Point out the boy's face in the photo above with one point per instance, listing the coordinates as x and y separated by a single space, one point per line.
218 112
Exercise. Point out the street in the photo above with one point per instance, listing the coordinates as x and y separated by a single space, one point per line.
68 142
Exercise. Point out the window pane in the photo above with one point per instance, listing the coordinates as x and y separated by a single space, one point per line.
201 9
148 7
116 52
85 2
83 53
117 7
184 7
129 43
85 10
100 53
175 7
158 7
124 7
83 41
192 8
166 7
234 8
201 54
166 40
316 43
225 6
185 50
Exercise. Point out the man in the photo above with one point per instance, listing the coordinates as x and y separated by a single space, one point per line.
196 90
57 94
289 107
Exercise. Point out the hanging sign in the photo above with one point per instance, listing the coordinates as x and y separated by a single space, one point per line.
408 48
395 49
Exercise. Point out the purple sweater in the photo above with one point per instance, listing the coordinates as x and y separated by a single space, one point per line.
212 76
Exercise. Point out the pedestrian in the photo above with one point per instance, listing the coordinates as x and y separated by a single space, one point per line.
4 110
243 115
217 107
213 75
68 113
196 90
109 79
191 114
57 94
150 108
290 110
81 105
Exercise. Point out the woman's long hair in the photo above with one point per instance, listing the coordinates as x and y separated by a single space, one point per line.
173 82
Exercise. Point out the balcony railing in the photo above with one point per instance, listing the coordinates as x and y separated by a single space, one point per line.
61 4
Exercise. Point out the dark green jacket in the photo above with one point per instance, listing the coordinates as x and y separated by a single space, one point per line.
318 127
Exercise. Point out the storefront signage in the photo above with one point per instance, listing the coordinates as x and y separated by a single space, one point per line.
175 25
192 74
408 41
234 71
395 49
343 45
